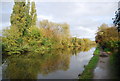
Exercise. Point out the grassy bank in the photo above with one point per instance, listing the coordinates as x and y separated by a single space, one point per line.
88 72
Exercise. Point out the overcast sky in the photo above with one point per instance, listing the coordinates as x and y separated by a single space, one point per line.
84 17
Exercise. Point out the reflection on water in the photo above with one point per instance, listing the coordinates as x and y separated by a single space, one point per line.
60 64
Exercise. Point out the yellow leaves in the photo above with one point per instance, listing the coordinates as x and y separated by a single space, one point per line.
100 33
106 33
109 37
54 30
12 33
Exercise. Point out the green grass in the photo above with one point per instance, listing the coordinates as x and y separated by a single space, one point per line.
88 72
97 51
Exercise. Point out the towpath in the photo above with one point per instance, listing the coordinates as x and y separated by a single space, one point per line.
103 69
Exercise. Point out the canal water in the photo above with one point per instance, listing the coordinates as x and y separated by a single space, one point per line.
54 64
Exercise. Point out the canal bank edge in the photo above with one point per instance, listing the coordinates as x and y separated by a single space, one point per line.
88 71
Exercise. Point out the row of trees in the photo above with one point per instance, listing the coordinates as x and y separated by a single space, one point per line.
24 35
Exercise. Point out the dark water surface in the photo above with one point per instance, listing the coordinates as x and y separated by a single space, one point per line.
55 64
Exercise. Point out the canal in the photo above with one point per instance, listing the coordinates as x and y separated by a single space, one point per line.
54 64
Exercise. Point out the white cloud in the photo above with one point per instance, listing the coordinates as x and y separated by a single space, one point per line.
95 8
83 32
44 17
88 30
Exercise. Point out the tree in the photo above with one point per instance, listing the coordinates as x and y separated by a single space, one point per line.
107 36
23 15
66 29
58 29
18 17
28 17
33 14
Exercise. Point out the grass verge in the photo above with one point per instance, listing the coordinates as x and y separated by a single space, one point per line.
88 71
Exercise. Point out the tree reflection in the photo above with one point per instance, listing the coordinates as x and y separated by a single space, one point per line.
30 65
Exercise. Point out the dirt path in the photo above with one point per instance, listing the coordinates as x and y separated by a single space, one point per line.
103 70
